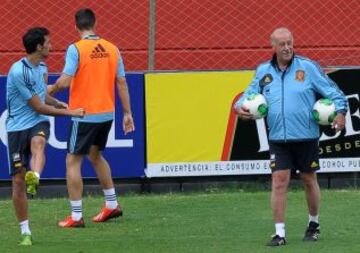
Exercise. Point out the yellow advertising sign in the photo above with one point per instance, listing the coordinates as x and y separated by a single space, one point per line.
192 129
187 114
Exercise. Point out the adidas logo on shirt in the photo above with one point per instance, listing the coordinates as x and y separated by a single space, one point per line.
99 52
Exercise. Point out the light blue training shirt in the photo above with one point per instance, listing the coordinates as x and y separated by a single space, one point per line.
24 81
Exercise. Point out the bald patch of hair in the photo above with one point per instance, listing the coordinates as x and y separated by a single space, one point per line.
276 32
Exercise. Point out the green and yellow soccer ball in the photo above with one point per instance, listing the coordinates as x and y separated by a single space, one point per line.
256 104
324 111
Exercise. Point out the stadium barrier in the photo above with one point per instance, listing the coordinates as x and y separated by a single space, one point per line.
125 154
191 130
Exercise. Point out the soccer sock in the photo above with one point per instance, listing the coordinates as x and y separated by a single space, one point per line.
314 218
24 227
110 198
76 209
280 229
37 174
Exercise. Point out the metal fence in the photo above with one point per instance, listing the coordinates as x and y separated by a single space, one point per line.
190 34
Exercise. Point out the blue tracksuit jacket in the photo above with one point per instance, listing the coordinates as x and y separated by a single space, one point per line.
291 95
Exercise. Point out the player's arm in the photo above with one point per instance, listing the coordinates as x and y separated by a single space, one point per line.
329 89
29 94
252 88
123 93
49 100
63 82
46 77
41 108
70 68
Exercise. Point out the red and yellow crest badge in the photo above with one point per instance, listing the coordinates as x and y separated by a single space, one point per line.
300 75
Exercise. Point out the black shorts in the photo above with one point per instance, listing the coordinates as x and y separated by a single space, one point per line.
85 134
302 156
19 145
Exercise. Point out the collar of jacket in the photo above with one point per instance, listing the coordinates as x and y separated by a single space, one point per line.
275 64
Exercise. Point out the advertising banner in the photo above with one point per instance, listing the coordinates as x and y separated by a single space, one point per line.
193 131
125 154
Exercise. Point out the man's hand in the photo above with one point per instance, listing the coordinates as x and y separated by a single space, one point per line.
128 123
79 112
339 122
52 89
61 105
243 113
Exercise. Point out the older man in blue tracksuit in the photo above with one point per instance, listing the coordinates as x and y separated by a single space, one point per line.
290 84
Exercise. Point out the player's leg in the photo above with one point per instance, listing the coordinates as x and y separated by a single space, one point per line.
74 180
19 196
21 207
79 142
39 135
37 164
37 161
16 148
103 172
312 193
101 167
280 164
74 184
280 182
307 154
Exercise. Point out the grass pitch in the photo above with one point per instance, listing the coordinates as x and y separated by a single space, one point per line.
220 222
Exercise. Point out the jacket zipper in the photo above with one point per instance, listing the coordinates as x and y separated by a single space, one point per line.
282 101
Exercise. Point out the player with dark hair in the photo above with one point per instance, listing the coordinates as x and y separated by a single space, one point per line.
92 67
26 125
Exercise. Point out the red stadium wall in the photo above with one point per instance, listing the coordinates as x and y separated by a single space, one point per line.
191 35
123 22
